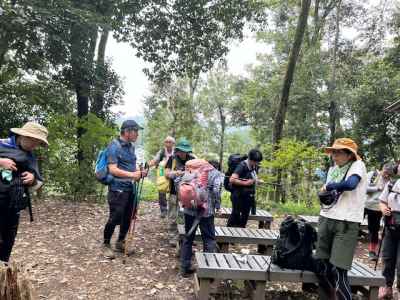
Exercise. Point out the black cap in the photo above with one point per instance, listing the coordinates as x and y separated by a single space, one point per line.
130 124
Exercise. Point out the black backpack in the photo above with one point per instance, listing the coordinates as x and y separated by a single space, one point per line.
233 161
294 246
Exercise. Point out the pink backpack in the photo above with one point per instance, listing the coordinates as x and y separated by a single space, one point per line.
193 188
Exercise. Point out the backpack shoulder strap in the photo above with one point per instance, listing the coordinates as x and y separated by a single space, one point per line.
173 163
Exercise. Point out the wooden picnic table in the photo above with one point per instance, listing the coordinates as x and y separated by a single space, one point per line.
259 269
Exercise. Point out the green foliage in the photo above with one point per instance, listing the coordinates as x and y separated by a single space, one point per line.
62 171
377 86
294 208
149 191
185 38
297 162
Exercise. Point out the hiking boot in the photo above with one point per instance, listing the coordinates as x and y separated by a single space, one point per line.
385 293
372 256
107 251
187 272
120 246
163 214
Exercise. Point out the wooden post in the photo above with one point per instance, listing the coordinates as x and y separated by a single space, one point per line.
13 284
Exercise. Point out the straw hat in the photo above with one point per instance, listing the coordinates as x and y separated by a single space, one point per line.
33 130
344 143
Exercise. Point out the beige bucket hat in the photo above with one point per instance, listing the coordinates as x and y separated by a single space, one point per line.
33 130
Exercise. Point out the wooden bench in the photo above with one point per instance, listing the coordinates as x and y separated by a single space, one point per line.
263 217
234 235
258 269
313 220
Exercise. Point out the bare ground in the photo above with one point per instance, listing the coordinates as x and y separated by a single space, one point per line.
61 251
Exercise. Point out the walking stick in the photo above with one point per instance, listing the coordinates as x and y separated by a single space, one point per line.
138 192
380 245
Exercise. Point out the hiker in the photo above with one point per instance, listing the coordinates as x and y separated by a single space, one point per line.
376 182
390 207
339 221
243 181
121 161
202 214
19 171
174 169
160 160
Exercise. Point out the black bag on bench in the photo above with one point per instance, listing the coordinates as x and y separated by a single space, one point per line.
294 246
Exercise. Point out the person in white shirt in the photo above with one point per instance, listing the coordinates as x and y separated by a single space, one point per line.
390 207
376 183
339 222
160 160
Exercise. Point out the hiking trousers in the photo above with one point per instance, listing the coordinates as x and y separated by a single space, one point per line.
241 205
172 218
162 201
391 256
207 229
374 224
121 206
9 221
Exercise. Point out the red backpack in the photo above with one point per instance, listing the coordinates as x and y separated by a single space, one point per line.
193 189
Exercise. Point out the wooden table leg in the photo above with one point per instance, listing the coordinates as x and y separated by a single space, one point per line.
204 291
373 293
262 249
259 292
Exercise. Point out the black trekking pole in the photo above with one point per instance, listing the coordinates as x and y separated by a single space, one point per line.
132 225
380 245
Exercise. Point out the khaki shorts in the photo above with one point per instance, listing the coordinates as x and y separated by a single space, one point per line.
337 241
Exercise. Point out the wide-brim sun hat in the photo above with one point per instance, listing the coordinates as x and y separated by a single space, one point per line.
183 145
343 143
33 130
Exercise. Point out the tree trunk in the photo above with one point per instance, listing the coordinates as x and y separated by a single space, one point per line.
283 104
294 53
83 45
333 107
98 102
222 136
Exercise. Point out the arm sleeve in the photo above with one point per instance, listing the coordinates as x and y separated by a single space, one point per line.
238 170
347 185
112 156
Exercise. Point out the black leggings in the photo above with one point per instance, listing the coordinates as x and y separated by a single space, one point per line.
334 283
374 224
